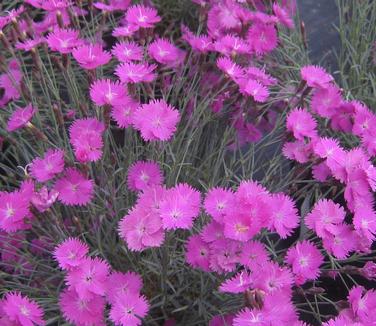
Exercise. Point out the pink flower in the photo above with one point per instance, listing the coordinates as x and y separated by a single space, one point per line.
301 123
130 72
212 232
197 253
91 56
86 138
298 151
142 175
142 16
341 242
141 229
222 320
283 16
254 255
123 112
325 101
156 120
125 31
11 82
44 199
120 284
199 43
238 283
44 169
20 118
230 68
325 217
84 312
129 309
284 218
105 91
342 119
262 38
14 208
63 40
321 172
305 260
217 202
74 188
273 278
20 310
181 205
128 51
230 45
260 76
71 253
89 278
113 5
29 44
365 222
241 226
255 89
363 304
316 76
224 255
364 119
164 52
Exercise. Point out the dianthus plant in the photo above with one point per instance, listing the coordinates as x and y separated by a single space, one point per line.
143 179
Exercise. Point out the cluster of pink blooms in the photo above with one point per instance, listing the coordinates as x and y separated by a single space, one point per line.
158 209
91 284
239 36
350 167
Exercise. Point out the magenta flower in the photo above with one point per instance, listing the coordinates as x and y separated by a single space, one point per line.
200 43
129 72
123 112
29 44
301 123
141 229
128 51
156 120
363 304
239 283
316 76
284 217
164 52
180 207
365 222
254 255
113 5
262 38
341 242
44 199
283 16
105 91
231 45
20 310
274 278
91 56
142 175
241 226
260 76
44 169
325 217
89 278
255 89
71 253
11 83
125 31
325 101
63 40
74 188
230 68
120 284
82 311
224 255
86 138
217 202
305 260
129 309
298 151
20 118
14 208
142 16
197 253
